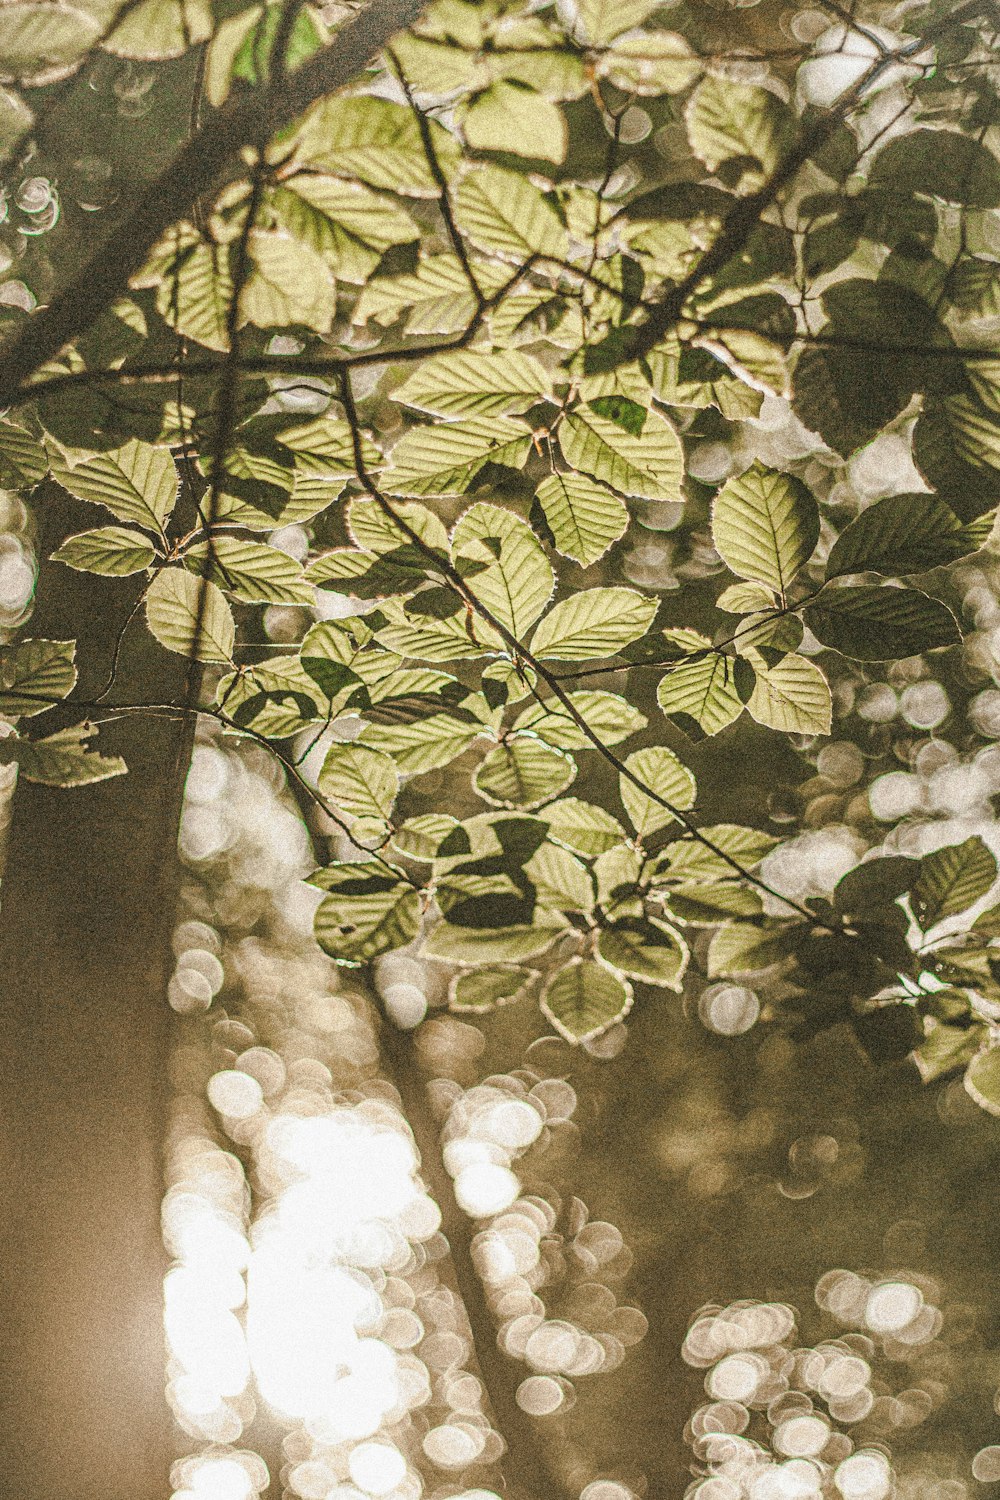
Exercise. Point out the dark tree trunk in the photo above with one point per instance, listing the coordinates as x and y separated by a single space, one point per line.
87 906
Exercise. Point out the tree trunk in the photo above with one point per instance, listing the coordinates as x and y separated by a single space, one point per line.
87 907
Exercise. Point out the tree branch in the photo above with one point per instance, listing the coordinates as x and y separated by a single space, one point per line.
198 166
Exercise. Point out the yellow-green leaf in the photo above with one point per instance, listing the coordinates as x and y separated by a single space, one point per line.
648 464
584 999
190 616
593 623
765 526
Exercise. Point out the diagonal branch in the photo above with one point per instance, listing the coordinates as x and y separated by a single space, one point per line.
208 157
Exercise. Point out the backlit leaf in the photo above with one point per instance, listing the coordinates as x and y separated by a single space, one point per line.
251 571
792 695
702 693
445 458
61 759
138 483
469 383
728 120
584 999
648 465
593 623
585 519
515 581
506 117
110 550
505 214
765 526
359 780
905 534
190 616
951 880
645 949
667 780
523 772
34 674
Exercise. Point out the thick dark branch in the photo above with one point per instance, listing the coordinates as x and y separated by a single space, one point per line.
202 162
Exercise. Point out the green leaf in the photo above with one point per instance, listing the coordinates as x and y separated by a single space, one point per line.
138 483
431 742
37 39
660 770
326 446
509 117
360 781
765 526
746 598
593 623
727 120
654 62
420 837
290 283
649 465
905 534
707 904
516 580
445 458
792 695
190 616
620 886
689 859
23 460
470 945
876 882
469 383
982 1080
505 214
561 881
957 450
940 164
585 519
251 571
436 297
881 623
372 529
849 394
645 949
347 224
744 947
523 772
367 914
602 23
585 998
584 827
483 990
946 1048
375 140
61 759
194 288
35 670
110 550
702 693
951 880
610 717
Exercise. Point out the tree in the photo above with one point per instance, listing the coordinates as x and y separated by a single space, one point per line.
444 312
